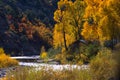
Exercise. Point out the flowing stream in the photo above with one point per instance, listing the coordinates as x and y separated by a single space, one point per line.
38 65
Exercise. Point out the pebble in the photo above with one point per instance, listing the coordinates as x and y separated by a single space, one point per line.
2 73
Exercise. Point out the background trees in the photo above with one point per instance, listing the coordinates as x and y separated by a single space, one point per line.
102 20
90 30
109 23
95 21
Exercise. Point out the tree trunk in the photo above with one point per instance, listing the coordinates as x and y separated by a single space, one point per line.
64 38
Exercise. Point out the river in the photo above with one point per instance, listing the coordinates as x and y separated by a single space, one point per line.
37 65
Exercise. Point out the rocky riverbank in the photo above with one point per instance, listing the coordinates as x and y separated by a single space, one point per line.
4 71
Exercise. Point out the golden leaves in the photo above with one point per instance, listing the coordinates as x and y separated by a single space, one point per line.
89 31
57 15
58 40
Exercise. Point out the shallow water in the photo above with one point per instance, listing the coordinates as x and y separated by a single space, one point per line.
53 66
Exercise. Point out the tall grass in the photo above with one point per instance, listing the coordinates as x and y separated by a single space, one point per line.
117 58
103 66
49 74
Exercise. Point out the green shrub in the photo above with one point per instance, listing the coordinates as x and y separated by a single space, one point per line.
53 52
89 50
61 57
103 65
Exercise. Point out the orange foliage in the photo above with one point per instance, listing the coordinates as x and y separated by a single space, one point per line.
6 61
44 32
90 32
106 16
58 40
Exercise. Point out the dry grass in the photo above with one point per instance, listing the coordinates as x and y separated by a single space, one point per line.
48 74
103 66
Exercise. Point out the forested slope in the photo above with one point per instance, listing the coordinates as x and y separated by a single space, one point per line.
24 24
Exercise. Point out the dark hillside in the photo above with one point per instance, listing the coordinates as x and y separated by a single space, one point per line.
22 23
40 9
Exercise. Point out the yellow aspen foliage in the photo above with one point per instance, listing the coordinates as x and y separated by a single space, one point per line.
69 18
105 15
43 55
104 35
58 40
62 31
110 19
6 61
90 28
76 13
89 32
59 14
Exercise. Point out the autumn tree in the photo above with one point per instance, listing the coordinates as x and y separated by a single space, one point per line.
69 18
109 24
102 20
61 27
90 27
76 20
